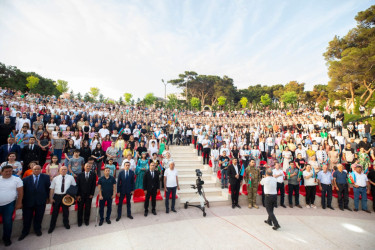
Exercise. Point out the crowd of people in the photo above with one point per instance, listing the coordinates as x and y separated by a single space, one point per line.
51 145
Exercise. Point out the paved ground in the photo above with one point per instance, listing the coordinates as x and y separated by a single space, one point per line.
223 228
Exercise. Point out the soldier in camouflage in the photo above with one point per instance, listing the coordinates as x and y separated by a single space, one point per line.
252 179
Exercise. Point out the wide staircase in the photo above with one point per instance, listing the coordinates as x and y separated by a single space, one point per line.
186 162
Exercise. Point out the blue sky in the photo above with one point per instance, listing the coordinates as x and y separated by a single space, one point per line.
129 46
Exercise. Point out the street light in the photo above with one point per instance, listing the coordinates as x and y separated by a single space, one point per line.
165 88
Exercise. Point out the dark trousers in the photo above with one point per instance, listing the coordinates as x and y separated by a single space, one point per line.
56 208
310 194
373 196
169 191
200 149
343 195
326 190
264 155
195 141
7 211
128 204
86 203
170 139
43 157
235 187
206 155
271 202
28 214
294 188
152 195
263 196
98 166
280 186
109 208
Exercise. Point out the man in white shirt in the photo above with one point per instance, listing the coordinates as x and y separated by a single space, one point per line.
279 175
11 195
103 131
171 184
359 188
22 121
270 189
59 185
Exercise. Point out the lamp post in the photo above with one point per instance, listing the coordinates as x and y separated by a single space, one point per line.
165 88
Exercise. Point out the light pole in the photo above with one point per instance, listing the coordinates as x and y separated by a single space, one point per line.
165 88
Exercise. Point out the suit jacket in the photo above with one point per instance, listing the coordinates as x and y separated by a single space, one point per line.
232 173
86 187
4 150
151 184
35 196
125 185
28 155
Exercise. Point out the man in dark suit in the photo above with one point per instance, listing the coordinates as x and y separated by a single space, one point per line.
5 129
86 182
125 188
9 147
235 179
36 191
30 153
151 186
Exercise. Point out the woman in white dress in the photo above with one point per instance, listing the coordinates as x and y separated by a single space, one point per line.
287 157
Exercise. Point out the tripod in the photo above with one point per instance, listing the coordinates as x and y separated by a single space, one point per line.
203 200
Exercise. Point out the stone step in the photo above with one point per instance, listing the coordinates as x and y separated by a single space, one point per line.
182 162
193 177
207 184
213 201
213 191
186 158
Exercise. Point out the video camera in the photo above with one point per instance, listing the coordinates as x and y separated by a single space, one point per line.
199 182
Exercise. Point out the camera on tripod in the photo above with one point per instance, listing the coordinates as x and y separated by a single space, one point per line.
199 182
200 191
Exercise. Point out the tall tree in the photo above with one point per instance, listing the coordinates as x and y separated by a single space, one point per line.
221 100
195 102
79 96
244 102
94 92
289 97
62 86
101 98
128 97
172 101
149 99
266 100
32 82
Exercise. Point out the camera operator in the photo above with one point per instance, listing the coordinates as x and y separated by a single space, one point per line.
235 182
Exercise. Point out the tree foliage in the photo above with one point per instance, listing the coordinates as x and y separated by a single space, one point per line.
221 100
149 99
351 61
195 102
289 97
128 97
172 101
244 102
266 100
62 86
94 92
32 82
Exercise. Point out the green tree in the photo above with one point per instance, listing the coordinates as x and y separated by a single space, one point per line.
71 95
351 62
266 100
289 97
62 86
120 101
79 96
87 98
172 101
101 98
32 82
94 92
195 102
244 102
128 97
221 100
149 99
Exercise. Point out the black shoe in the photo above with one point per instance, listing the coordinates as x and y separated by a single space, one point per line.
367 211
269 223
101 223
23 236
341 209
118 218
238 206
283 206
146 213
7 243
79 224
349 209
167 211
108 221
130 217
38 233
291 205
174 210
67 226
275 227
153 212
355 210
87 223
299 206
233 206
324 207
50 230
331 208
222 187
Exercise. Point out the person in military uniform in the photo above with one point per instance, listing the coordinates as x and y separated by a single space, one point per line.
252 178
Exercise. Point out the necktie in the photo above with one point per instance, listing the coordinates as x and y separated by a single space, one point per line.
152 174
126 174
87 176
63 184
36 181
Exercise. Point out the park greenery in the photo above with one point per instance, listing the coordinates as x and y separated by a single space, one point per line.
351 69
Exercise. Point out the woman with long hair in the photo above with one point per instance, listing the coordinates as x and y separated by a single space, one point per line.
52 169
44 143
98 154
